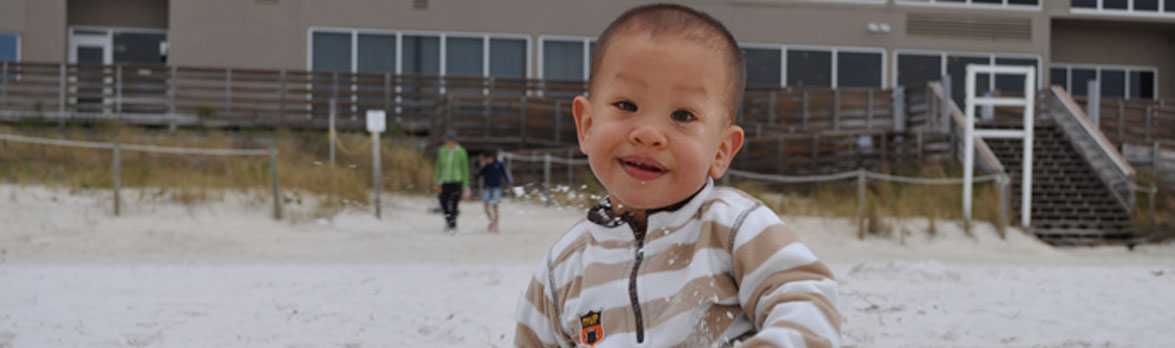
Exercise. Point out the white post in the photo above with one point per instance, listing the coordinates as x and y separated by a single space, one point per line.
1029 129
331 136
1093 105
376 123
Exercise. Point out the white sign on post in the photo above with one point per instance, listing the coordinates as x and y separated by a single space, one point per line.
376 121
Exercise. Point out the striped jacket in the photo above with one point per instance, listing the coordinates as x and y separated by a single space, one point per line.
720 269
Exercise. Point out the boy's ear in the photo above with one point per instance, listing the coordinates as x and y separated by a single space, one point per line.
732 142
581 109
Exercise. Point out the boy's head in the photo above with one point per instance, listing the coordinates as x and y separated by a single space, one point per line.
664 90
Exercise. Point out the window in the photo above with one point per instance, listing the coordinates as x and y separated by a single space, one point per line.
422 54
9 47
508 58
763 67
916 70
1114 81
985 3
1058 77
859 69
809 68
377 53
139 48
463 56
1142 7
332 52
563 60
1013 85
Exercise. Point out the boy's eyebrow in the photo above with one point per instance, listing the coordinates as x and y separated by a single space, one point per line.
632 80
690 89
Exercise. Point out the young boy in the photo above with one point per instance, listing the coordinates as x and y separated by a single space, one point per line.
493 176
668 259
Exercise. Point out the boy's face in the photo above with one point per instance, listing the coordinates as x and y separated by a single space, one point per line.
658 121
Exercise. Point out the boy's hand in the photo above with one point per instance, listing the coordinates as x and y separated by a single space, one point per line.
466 194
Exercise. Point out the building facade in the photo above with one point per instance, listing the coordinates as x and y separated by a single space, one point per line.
1126 46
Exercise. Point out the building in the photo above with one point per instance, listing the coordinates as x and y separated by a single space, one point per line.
1126 45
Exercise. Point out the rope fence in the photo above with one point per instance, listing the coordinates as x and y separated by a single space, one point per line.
116 160
862 177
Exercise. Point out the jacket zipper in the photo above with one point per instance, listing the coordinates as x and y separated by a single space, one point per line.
636 303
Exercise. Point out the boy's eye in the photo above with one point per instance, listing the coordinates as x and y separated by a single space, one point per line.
625 105
683 116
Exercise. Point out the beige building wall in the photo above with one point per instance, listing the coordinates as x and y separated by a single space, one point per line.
41 25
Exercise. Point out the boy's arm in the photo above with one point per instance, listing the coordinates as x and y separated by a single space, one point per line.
537 316
786 291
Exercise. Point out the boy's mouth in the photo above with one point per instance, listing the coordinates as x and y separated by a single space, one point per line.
642 168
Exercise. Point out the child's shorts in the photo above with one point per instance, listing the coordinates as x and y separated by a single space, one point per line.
491 195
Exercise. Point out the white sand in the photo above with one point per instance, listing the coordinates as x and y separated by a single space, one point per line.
225 275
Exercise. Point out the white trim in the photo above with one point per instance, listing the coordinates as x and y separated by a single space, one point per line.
1005 5
139 30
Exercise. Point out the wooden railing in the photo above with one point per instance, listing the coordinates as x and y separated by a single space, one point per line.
1101 156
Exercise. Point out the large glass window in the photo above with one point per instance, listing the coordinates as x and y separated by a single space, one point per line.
1114 81
422 55
563 60
464 56
508 57
763 67
331 52
809 68
858 69
1013 85
1058 77
9 47
139 48
1124 6
916 70
377 53
957 68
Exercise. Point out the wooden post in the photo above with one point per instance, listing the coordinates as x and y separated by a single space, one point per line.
331 135
1155 161
171 91
1149 123
779 150
118 91
546 170
804 110
376 183
524 111
116 177
4 84
277 198
62 87
228 90
1002 195
861 187
558 122
836 109
1151 206
1121 123
388 92
771 106
284 87
921 144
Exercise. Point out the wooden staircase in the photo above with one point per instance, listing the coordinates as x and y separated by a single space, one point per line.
1071 205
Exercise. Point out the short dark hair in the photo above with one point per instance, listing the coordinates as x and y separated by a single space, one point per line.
686 23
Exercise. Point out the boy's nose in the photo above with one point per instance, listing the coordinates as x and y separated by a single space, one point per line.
647 136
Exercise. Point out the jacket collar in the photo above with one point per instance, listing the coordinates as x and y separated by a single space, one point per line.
671 215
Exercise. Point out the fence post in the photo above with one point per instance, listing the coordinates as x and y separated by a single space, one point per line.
61 83
116 177
284 87
376 184
947 98
804 104
1093 102
228 90
525 110
1149 123
861 183
899 108
4 83
1002 181
546 170
771 105
277 199
171 82
331 135
558 122
1151 206
118 91
836 109
1121 124
1155 161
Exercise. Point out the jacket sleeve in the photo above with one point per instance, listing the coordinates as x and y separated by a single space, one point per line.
463 167
536 315
786 291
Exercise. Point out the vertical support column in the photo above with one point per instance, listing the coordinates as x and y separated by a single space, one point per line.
376 176
836 109
1029 138
3 83
1149 123
1121 124
900 118
969 144
558 122
772 102
273 180
1151 192
171 89
1093 102
804 113
546 170
118 91
861 196
228 90
332 136
116 177
284 87
62 86
1002 182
